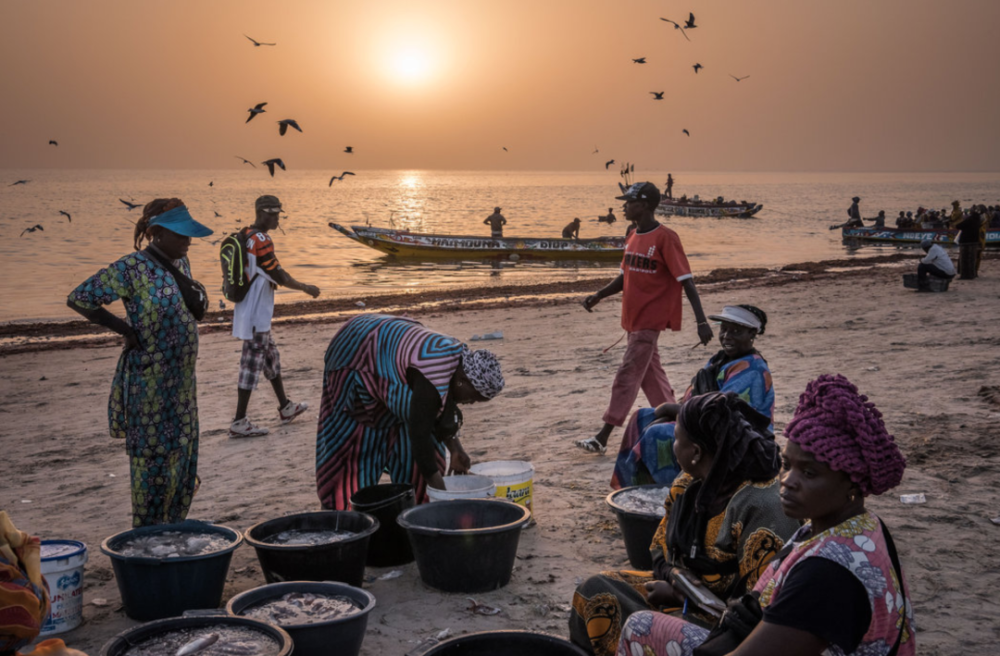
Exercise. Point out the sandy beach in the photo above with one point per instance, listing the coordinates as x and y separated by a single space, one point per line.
930 362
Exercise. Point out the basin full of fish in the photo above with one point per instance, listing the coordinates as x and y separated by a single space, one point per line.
215 640
644 500
173 544
297 608
302 537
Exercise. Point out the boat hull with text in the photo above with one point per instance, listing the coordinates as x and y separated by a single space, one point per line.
911 236
403 243
698 209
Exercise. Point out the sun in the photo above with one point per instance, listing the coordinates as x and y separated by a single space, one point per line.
411 65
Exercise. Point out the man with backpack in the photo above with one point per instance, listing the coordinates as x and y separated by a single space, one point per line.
250 274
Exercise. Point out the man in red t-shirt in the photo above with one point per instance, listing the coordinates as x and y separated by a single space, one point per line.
654 270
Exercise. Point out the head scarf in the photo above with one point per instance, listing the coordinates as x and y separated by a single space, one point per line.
483 370
842 429
738 438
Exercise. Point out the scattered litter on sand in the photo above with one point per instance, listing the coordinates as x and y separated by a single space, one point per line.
913 498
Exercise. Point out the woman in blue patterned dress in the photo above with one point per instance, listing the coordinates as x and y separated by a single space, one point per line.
646 454
153 404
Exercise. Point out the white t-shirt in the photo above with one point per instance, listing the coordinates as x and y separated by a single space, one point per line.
939 258
254 312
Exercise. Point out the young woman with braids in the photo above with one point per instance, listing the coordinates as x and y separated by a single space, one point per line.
646 455
723 521
153 404
837 587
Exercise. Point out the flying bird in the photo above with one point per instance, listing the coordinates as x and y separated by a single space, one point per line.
270 163
284 124
256 109
349 150
640 60
689 24
211 183
658 94
66 214
31 229
696 67
595 151
608 164
505 149
738 78
677 27
19 182
686 132
258 44
53 142
245 160
217 215
130 206
338 177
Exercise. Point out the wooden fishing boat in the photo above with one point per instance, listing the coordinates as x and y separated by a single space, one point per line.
403 243
698 208
912 236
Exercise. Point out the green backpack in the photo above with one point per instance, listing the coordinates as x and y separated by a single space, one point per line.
233 254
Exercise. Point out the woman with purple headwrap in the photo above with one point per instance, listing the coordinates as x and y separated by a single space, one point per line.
390 394
837 587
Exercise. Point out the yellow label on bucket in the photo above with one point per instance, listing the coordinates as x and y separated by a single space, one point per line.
519 493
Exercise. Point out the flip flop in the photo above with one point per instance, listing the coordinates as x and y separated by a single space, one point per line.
591 445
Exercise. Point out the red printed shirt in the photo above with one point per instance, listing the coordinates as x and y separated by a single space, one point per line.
654 267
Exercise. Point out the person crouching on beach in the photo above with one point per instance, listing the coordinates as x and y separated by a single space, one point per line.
154 403
390 394
252 321
838 586
654 270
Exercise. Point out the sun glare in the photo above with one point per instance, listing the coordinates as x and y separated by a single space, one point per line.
411 65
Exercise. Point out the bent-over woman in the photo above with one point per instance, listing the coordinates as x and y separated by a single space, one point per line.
153 404
723 521
390 394
645 455
837 587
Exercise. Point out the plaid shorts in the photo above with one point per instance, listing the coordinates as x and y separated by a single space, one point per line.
259 354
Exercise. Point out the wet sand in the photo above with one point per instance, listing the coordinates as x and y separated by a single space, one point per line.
930 362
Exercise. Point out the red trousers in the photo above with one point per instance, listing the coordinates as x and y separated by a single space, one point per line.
640 369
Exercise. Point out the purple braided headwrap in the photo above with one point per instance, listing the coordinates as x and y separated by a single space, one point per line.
842 429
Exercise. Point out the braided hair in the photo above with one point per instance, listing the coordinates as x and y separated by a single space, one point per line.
760 314
152 209
841 428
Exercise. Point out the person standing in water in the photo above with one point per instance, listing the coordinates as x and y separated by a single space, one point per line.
496 222
670 186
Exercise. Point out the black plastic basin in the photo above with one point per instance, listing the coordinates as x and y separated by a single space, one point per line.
346 633
637 528
466 545
505 643
338 561
126 639
389 545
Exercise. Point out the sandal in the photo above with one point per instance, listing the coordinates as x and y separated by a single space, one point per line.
591 445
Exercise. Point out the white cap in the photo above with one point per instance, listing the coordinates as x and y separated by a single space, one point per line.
737 315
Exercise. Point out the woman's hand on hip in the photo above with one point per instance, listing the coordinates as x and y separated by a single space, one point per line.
131 341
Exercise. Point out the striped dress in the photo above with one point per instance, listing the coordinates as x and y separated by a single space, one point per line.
366 403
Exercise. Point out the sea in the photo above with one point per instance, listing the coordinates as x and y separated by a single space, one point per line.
41 267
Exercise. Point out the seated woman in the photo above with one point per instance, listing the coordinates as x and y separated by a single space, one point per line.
645 455
837 588
723 520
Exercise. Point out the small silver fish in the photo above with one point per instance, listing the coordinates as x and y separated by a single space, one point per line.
198 644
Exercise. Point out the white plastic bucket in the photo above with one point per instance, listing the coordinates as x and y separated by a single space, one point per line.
463 487
514 480
62 566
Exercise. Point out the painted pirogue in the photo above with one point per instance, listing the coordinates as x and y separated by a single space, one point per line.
942 236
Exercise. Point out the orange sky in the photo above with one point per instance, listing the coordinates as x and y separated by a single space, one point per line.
846 85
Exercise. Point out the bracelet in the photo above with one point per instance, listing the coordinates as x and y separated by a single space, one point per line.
702 323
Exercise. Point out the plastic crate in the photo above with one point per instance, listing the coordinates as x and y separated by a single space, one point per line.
934 284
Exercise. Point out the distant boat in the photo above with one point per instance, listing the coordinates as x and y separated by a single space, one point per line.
403 243
718 208
914 236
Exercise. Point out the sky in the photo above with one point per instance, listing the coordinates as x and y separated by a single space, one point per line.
845 85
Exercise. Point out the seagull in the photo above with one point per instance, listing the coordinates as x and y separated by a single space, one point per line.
677 27
338 177
257 109
640 60
595 151
66 214
608 163
258 44
271 162
690 22
505 149
696 67
217 215
53 142
738 78
284 124
211 183
245 160
130 206
349 150
20 182
658 94
686 132
32 229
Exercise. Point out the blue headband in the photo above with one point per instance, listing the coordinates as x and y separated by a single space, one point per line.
179 221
